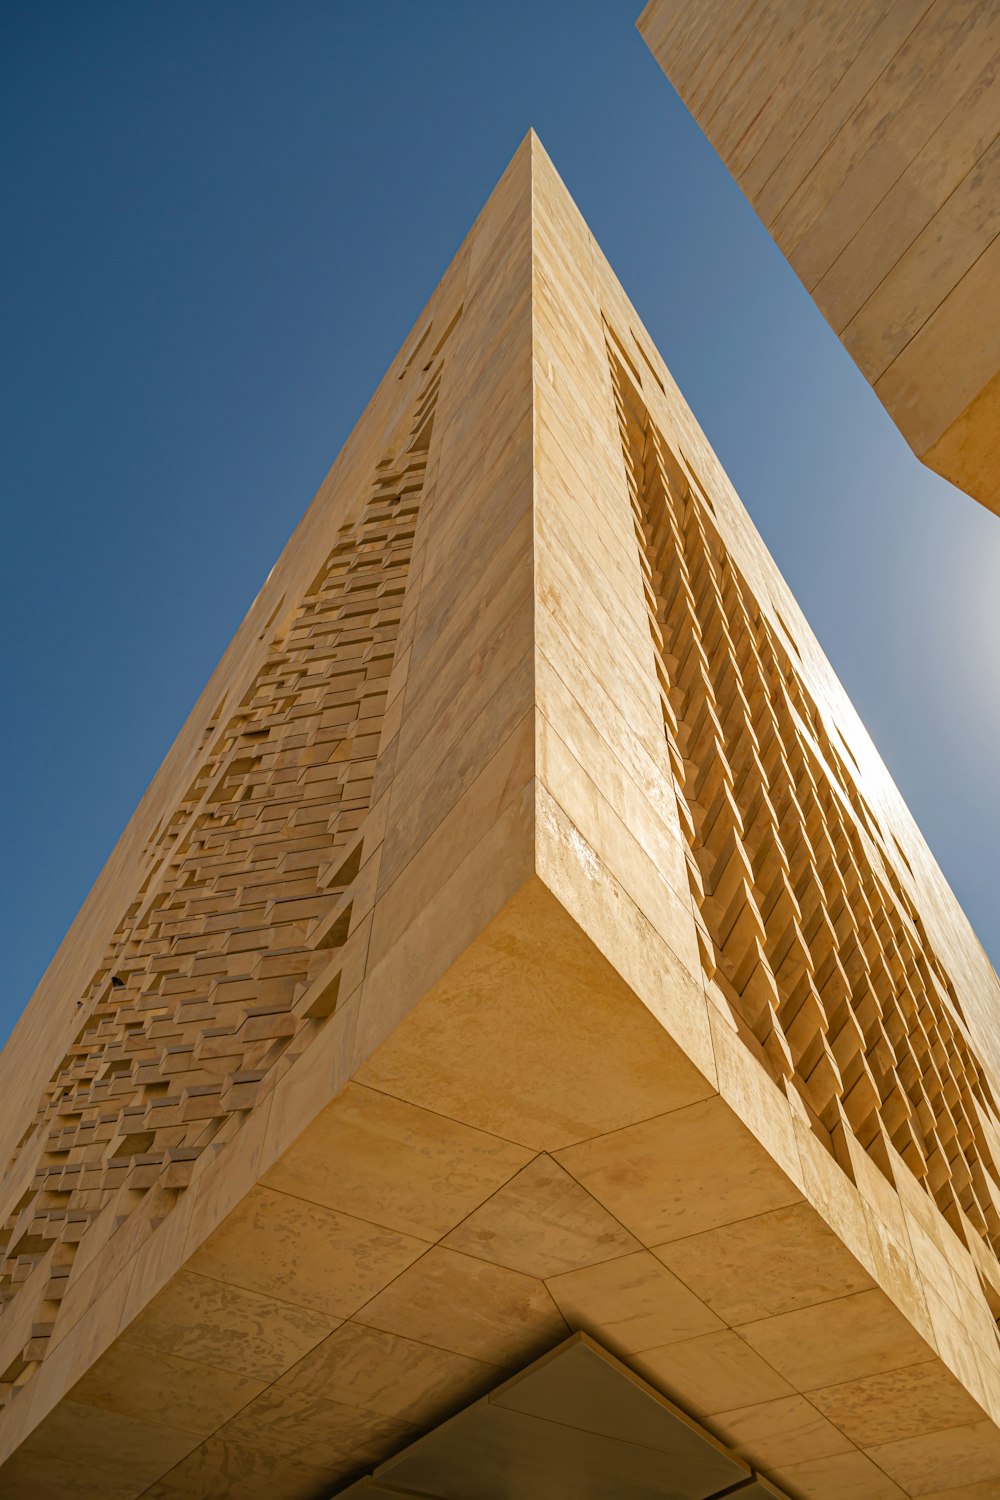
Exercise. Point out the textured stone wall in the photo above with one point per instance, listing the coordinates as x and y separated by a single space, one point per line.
522 937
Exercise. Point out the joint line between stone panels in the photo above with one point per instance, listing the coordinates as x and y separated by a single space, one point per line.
745 58
427 496
269 1386
441 429
613 620
440 1115
632 903
874 83
608 327
687 899
934 1359
519 725
564 519
682 897
484 713
502 1370
208 1436
822 1301
345 1213
906 250
703 46
189 1249
240 1286
523 1168
232 1417
937 308
556 503
895 182
787 108
357 1314
565 641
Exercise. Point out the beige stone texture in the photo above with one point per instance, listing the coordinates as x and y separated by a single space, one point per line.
523 938
867 137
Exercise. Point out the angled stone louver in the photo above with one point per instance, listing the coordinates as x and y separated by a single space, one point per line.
522 937
867 138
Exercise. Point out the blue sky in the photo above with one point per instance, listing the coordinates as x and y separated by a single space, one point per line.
221 222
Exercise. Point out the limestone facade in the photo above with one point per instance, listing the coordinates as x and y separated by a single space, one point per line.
523 937
867 137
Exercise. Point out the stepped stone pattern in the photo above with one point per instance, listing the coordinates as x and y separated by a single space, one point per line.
867 137
206 983
522 939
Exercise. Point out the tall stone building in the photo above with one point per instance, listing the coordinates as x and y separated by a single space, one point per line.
521 1043
867 137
